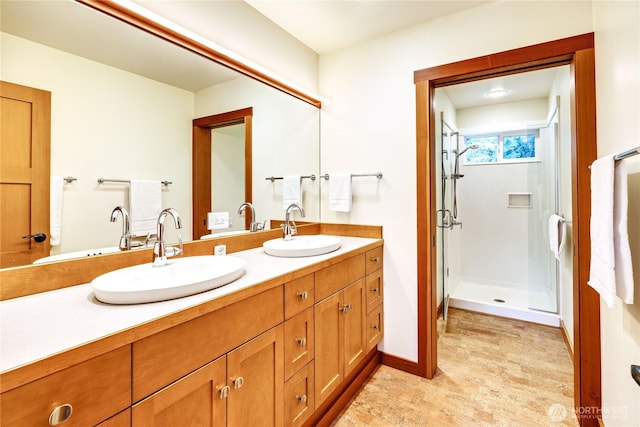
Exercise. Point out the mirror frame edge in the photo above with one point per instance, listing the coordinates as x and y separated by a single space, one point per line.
123 14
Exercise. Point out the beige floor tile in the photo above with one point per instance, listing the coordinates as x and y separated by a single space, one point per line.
492 372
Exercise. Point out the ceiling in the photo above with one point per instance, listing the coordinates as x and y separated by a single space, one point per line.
326 25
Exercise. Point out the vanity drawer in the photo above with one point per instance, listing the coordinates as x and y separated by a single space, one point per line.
298 295
375 328
298 342
374 290
298 397
163 358
374 259
331 279
95 390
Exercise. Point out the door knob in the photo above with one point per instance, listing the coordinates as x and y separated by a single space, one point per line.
38 237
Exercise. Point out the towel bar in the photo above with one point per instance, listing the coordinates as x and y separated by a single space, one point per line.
312 177
126 181
354 175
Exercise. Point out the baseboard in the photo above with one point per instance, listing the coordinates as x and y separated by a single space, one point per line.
400 364
329 410
567 341
440 309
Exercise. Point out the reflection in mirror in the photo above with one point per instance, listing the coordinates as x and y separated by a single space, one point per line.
227 173
122 106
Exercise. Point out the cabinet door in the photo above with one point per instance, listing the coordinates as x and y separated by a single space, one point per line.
194 400
329 334
256 378
355 334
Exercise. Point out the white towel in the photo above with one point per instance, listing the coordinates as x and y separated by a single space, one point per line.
610 272
622 249
145 204
291 190
557 231
55 225
340 192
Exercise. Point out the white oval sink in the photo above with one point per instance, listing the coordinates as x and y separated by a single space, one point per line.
301 246
179 278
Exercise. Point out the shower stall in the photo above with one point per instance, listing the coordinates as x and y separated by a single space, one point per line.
493 252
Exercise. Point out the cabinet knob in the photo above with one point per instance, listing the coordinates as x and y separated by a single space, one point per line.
346 308
375 259
303 295
238 383
376 327
301 341
224 392
302 398
374 290
60 414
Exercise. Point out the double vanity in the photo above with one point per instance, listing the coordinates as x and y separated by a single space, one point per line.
284 343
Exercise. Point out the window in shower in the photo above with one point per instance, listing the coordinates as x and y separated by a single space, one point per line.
507 147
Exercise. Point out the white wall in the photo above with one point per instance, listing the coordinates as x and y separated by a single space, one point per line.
369 125
617 37
107 123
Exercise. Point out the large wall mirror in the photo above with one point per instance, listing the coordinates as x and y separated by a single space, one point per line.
122 106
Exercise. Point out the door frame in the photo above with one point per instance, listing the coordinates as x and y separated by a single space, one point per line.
578 52
201 164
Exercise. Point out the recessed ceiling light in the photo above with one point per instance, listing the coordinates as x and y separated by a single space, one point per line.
497 93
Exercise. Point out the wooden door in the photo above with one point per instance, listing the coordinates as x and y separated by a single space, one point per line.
194 400
25 137
256 379
329 336
354 325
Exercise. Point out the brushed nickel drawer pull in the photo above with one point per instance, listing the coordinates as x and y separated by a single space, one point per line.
301 341
346 308
224 392
60 414
375 259
376 327
374 290
238 383
302 399
303 295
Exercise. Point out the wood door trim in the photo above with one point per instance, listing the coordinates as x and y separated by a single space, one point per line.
201 163
578 52
145 24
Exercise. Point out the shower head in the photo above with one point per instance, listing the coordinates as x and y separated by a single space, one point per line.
471 147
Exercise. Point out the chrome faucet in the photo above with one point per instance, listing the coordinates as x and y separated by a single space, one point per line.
289 228
160 251
254 226
125 239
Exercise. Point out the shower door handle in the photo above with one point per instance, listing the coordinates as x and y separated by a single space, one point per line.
444 215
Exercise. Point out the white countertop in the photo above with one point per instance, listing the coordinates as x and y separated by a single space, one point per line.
38 326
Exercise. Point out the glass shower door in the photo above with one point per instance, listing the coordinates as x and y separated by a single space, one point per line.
446 143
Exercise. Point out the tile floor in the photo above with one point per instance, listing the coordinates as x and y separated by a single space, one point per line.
492 372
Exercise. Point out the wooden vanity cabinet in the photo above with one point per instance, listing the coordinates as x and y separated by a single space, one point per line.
94 391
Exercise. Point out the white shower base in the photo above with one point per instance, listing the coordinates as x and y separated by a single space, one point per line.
480 297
